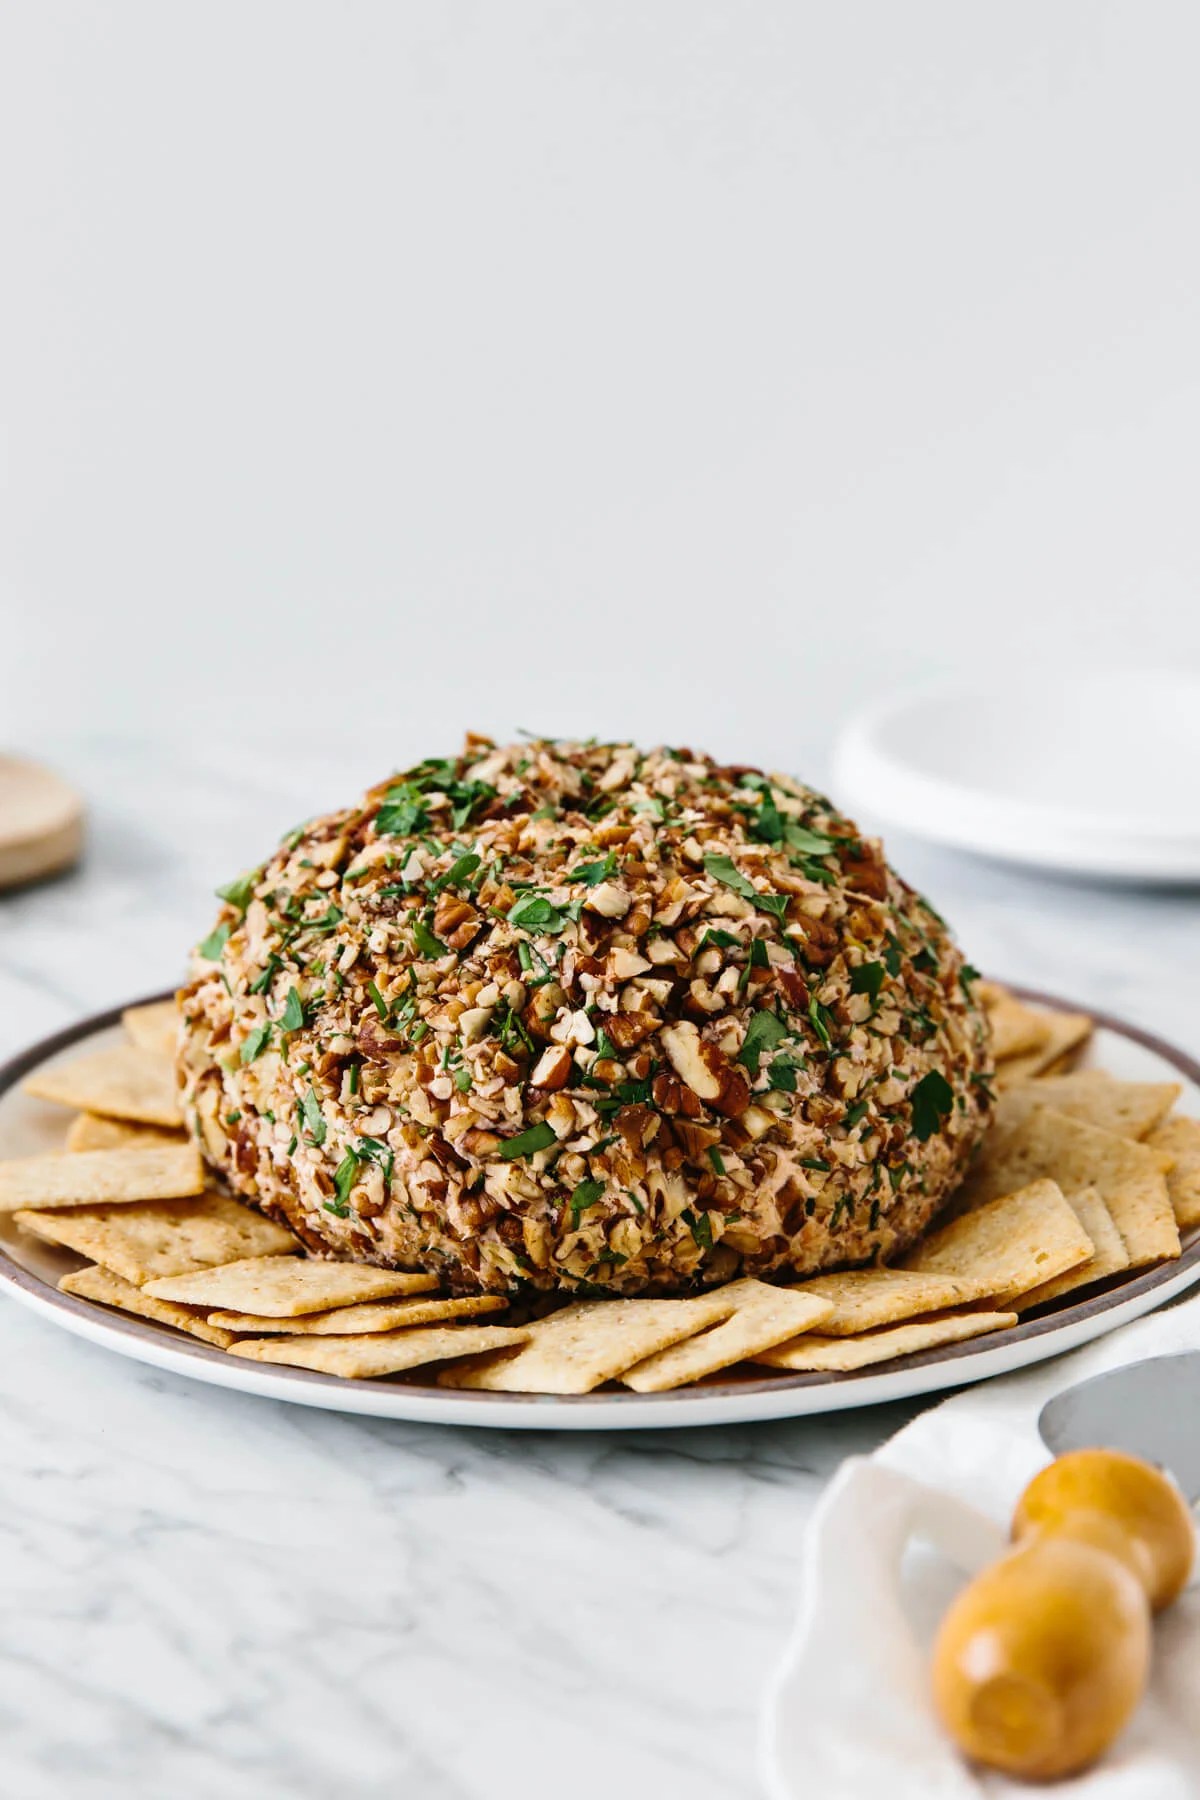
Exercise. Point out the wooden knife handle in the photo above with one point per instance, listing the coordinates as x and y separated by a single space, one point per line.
1043 1657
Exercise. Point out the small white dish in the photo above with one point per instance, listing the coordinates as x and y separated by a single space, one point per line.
1093 774
30 1270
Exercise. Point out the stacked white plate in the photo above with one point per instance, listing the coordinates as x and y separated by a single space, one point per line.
1095 774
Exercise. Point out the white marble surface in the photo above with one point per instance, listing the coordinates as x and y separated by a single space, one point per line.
204 1593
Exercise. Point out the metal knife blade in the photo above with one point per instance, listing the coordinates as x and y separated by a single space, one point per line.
1150 1409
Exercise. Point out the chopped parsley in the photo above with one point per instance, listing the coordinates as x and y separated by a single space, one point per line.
725 870
533 912
932 1101
313 1117
379 1153
458 872
585 1195
262 982
425 941
775 904
528 1142
403 811
700 1226
255 1042
293 1017
763 1033
867 979
214 944
593 873
240 892
344 1178
782 1074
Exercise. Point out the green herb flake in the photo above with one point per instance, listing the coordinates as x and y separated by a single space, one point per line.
262 982
775 904
240 892
806 842
763 1033
585 1195
214 944
868 978
593 873
292 1018
725 870
528 1143
255 1042
425 941
533 912
781 1075
314 1119
403 811
716 1159
380 1153
700 1226
344 1178
377 1000
820 1019
457 873
932 1100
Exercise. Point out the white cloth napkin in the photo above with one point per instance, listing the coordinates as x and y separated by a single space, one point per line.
849 1716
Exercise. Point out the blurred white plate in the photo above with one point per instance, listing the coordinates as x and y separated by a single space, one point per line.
30 1271
1091 774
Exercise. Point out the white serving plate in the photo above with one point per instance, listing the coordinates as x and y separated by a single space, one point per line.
29 1271
1092 774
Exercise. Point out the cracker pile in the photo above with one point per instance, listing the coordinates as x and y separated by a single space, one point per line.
1081 1179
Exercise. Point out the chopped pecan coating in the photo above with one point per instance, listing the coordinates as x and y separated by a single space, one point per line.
574 1017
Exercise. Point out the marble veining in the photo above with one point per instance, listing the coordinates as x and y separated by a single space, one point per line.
206 1593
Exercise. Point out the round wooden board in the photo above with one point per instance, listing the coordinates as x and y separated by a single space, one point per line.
41 822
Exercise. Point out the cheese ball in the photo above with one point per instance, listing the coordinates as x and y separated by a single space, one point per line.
578 1018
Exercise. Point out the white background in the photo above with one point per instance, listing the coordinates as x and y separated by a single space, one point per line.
689 370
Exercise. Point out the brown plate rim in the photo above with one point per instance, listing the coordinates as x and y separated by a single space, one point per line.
13 1274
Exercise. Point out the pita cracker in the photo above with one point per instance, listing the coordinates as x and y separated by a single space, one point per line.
1179 1138
865 1299
1065 1032
101 1284
357 1321
383 1353
91 1177
1017 1029
765 1316
154 1027
286 1288
162 1237
1128 1176
1012 1243
89 1131
1130 1108
1109 1254
594 1341
124 1082
842 1354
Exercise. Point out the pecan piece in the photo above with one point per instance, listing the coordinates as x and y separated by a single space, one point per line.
626 1029
552 1068
455 921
